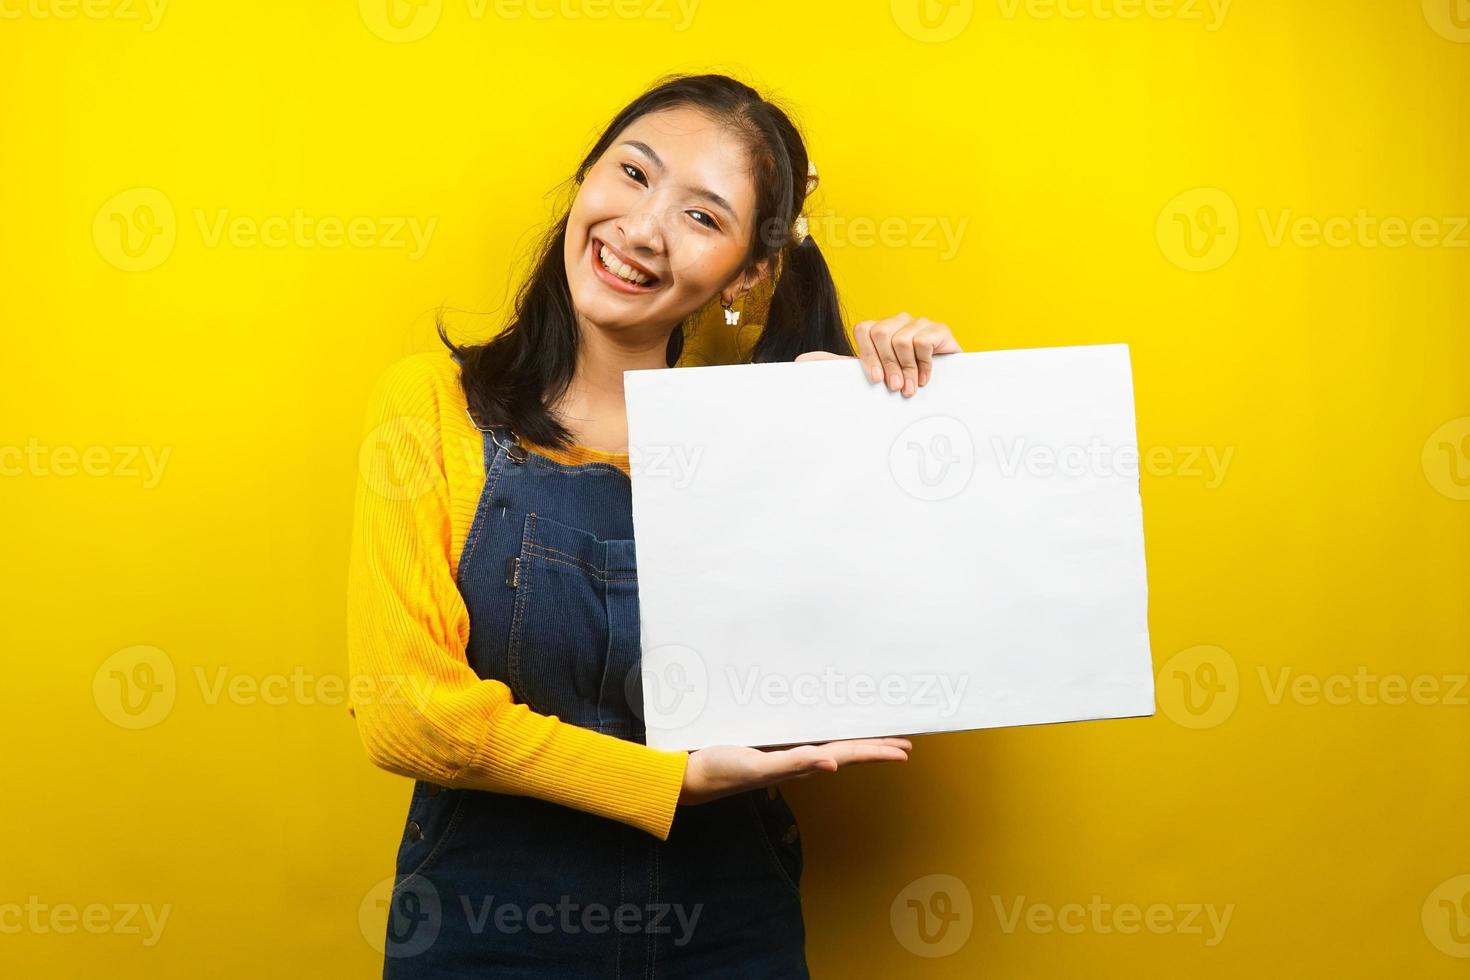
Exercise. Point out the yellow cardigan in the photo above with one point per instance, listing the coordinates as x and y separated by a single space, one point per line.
421 710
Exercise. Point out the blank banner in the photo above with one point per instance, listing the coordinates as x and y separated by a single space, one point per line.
821 558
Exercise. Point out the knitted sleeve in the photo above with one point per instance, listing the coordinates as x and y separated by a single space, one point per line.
421 710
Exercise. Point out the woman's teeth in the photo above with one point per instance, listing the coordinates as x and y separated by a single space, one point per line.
621 269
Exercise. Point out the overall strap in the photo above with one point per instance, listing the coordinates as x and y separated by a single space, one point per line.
494 435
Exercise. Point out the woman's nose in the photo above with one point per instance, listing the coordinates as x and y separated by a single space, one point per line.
643 230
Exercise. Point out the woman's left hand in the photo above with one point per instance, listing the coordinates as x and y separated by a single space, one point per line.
899 350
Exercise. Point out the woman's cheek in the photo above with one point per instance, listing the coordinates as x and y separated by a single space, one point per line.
698 264
596 200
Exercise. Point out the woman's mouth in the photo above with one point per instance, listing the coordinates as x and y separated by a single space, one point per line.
619 274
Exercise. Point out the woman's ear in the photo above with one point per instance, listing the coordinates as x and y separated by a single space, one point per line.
761 272
746 281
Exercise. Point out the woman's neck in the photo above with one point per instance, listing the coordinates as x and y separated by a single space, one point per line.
593 408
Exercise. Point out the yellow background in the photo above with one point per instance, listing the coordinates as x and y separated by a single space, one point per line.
1070 148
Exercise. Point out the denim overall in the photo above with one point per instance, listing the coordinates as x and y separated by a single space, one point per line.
497 885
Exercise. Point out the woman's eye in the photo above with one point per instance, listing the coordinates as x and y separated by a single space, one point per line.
702 217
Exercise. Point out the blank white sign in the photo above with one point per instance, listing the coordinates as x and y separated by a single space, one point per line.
820 558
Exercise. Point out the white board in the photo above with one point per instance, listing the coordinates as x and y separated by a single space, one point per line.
820 558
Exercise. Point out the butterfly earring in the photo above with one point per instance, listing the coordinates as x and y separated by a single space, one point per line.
732 316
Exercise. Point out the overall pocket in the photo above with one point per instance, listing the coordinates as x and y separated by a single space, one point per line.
574 633
778 832
433 814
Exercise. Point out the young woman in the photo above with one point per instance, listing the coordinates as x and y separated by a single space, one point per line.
494 631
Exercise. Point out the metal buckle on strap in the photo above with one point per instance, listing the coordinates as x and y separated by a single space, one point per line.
474 421
514 449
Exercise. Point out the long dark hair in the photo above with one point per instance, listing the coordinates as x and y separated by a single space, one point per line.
513 378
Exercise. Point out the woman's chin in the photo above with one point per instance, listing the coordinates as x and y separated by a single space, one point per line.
594 304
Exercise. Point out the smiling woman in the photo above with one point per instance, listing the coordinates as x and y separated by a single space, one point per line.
689 197
494 575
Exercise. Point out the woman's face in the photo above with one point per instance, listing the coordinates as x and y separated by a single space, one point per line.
671 206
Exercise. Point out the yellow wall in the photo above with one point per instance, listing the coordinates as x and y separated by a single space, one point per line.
1307 400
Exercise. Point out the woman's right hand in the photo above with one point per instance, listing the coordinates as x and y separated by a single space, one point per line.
722 770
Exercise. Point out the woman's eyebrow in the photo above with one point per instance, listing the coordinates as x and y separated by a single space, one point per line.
703 192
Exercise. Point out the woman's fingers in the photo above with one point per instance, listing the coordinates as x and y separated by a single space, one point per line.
903 350
882 334
869 750
831 756
868 351
721 770
928 339
898 741
926 343
899 351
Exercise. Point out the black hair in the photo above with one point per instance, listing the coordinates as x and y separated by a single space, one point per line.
512 379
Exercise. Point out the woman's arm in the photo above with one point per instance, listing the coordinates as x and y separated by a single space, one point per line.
421 710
